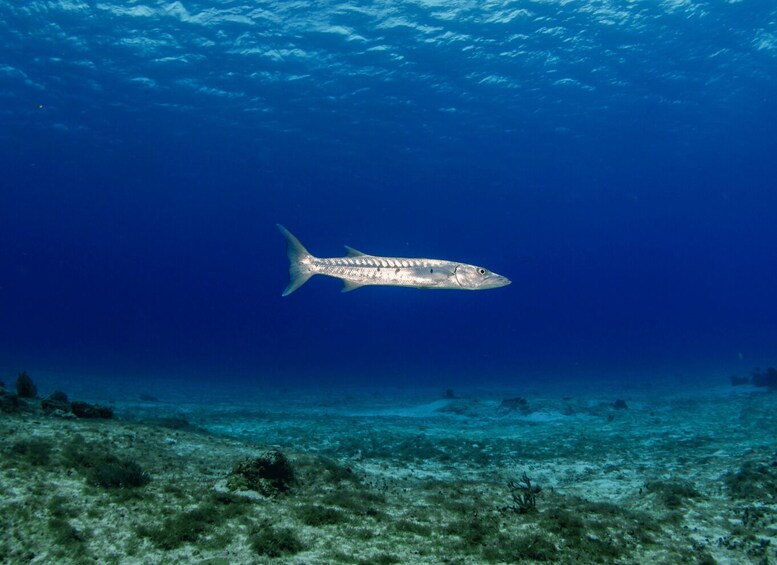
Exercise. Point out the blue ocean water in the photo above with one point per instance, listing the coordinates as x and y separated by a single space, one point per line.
615 160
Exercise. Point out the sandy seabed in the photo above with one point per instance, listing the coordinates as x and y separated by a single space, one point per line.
385 476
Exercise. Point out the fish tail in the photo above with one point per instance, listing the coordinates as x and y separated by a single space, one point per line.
299 262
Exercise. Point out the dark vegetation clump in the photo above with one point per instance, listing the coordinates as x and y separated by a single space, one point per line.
173 423
269 474
191 526
753 481
86 410
270 541
58 396
9 403
69 540
318 515
36 452
357 502
25 388
180 528
531 546
515 404
766 378
596 532
119 473
739 380
523 494
620 404
102 468
673 494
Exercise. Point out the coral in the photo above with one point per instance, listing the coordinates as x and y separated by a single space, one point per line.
270 473
270 541
524 495
25 388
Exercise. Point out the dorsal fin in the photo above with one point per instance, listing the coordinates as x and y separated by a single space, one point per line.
351 252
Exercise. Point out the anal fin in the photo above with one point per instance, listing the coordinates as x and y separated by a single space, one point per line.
348 286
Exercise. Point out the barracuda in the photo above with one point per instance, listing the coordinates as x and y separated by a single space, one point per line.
358 269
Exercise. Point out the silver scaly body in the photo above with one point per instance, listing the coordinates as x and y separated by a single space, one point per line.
359 269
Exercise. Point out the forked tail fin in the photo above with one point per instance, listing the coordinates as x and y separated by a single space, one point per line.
299 262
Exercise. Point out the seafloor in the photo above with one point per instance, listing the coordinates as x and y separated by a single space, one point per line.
391 476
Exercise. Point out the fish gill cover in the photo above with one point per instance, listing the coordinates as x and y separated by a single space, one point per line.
614 159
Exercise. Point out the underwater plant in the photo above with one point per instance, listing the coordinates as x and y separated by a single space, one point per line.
36 452
101 467
319 515
673 494
25 388
524 495
270 541
119 473
753 481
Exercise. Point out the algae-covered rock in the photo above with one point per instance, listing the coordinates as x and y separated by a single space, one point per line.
268 474
86 410
56 402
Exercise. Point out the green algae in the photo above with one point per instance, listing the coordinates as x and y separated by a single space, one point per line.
270 541
318 515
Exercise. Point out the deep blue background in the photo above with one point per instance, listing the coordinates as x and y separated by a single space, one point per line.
617 162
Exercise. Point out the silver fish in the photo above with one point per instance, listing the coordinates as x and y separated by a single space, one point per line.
359 269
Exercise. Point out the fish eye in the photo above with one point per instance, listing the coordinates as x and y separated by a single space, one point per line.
482 271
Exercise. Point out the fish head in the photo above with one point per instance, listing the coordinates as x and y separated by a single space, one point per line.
472 277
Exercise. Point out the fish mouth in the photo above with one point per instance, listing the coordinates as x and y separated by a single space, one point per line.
497 281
